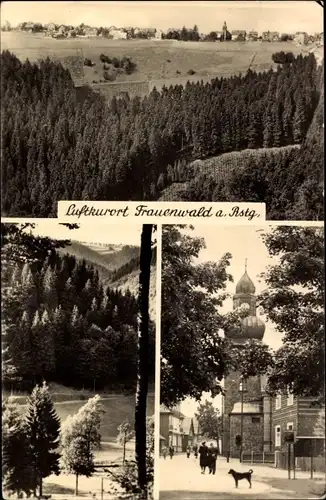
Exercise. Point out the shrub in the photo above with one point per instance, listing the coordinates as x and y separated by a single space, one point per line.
87 62
109 76
116 62
105 59
178 72
283 58
191 72
128 66
168 60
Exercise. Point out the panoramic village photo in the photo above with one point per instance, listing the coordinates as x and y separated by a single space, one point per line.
199 101
78 355
242 410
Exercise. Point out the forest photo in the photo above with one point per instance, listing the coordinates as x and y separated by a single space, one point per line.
248 127
78 338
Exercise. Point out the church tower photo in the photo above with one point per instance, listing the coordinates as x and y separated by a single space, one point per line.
246 409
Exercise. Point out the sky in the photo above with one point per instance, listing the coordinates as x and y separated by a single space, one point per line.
242 242
91 233
283 16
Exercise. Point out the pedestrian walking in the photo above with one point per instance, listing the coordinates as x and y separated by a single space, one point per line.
203 457
164 452
195 450
188 451
171 451
212 452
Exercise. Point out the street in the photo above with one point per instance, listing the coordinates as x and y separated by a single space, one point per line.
181 478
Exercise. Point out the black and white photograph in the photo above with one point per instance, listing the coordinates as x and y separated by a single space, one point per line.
78 361
242 396
160 101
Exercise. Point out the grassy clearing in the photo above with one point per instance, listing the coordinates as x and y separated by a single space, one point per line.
156 60
117 408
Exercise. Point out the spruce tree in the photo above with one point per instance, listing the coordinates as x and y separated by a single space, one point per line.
43 432
17 473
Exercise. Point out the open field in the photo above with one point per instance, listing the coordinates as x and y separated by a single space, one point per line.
158 62
117 408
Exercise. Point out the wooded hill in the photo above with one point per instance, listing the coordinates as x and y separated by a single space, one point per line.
57 145
288 179
117 265
58 311
111 261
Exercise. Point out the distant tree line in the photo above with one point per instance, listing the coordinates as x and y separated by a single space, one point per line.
57 312
57 145
184 34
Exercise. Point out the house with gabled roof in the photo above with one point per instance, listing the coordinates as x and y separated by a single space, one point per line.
188 433
171 427
238 35
253 36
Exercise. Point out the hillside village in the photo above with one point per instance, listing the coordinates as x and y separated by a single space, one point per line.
127 33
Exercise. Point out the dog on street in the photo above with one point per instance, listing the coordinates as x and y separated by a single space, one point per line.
237 476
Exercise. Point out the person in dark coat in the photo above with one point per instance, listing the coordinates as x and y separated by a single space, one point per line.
203 457
213 452
171 452
188 451
195 450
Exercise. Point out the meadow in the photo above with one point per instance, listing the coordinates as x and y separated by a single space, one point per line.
118 407
158 62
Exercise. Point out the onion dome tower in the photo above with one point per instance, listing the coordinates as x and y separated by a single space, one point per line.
252 328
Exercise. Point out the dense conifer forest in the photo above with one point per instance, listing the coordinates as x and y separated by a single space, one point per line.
60 144
61 324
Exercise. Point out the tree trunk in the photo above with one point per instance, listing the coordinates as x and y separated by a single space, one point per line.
76 488
41 487
124 450
142 361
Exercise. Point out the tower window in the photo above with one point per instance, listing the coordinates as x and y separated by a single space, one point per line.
278 402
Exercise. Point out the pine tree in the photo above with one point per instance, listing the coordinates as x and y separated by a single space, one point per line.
17 473
299 121
49 289
43 431
268 128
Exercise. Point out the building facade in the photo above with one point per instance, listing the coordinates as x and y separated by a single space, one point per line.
301 38
270 36
171 427
239 35
253 36
297 414
188 433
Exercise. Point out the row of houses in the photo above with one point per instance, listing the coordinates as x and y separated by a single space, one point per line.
177 430
286 413
301 38
66 31
124 33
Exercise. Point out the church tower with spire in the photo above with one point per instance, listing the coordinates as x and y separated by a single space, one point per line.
252 407
225 32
